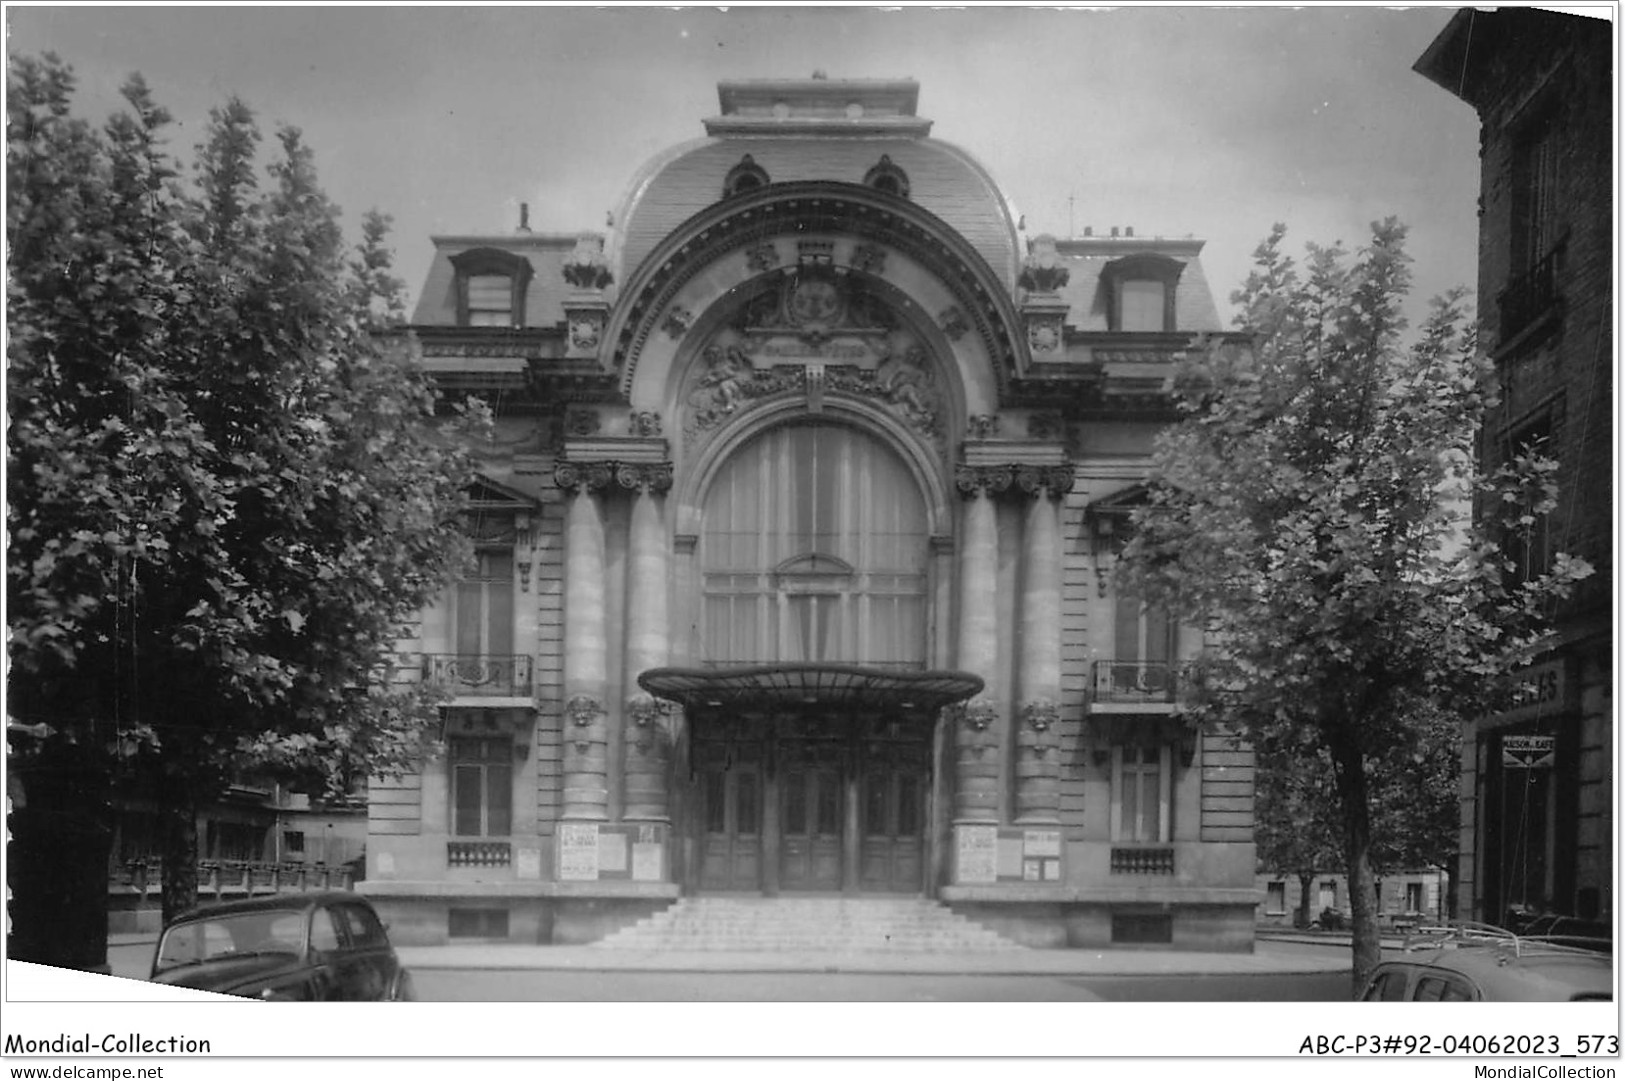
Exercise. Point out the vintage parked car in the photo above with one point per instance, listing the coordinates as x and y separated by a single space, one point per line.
289 946
1485 964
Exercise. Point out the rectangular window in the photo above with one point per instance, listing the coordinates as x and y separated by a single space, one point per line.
1413 897
1145 648
1275 899
481 785
1140 811
1142 305
490 300
1328 894
293 842
477 923
1535 208
1137 929
483 607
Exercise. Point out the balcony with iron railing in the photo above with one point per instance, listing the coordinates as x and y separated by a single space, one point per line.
1529 297
468 675
1134 686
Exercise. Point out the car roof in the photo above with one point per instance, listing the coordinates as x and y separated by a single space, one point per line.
1534 972
272 902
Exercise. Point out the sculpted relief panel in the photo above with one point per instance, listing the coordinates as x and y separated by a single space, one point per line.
818 333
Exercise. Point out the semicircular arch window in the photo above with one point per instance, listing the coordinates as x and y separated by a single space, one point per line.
746 176
814 548
885 176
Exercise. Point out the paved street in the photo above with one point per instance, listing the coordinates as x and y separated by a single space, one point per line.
1276 972
451 985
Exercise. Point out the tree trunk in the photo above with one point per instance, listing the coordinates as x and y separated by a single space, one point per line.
177 846
1351 790
61 834
1305 881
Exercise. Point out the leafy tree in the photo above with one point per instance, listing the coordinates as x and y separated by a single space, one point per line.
1295 824
1414 808
1309 512
227 488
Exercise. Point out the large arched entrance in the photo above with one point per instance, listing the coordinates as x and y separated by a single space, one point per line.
811 720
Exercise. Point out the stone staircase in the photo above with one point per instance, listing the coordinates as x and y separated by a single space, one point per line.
810 924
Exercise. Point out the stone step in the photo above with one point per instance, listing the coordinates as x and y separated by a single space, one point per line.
754 924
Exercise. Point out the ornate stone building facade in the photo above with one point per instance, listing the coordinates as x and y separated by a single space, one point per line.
1537 828
795 549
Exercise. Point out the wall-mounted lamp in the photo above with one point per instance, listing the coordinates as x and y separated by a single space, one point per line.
1102 756
521 751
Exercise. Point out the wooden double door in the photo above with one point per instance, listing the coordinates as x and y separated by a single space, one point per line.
784 819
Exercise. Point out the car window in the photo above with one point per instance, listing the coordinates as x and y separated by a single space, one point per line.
1442 988
365 930
324 933
1388 985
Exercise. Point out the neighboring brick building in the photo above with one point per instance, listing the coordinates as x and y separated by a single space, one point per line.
1537 814
795 541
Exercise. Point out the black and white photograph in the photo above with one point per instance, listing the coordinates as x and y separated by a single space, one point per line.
792 532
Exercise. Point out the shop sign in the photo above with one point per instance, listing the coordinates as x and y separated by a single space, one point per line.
1528 752
1537 691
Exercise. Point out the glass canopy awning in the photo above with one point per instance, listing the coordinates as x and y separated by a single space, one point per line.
787 688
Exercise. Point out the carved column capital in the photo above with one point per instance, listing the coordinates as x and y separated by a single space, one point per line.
990 480
1053 481
649 477
582 477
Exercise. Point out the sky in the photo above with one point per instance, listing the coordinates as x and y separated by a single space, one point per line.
1177 121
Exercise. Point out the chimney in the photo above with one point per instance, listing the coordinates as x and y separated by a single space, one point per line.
1114 231
524 217
1129 231
1088 230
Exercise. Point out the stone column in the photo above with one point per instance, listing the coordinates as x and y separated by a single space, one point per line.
976 755
1038 766
586 676
648 644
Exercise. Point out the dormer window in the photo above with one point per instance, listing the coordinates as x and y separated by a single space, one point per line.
1141 291
746 176
886 177
491 286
